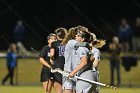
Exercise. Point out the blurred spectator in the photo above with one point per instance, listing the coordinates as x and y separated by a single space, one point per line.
136 39
19 35
137 27
125 35
19 31
11 63
114 50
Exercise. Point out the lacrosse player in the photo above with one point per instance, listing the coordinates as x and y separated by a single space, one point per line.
95 58
70 65
71 44
81 66
45 61
57 57
69 85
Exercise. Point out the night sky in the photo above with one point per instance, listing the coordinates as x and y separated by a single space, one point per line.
42 17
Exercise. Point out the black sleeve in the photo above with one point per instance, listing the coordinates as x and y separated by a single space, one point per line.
43 52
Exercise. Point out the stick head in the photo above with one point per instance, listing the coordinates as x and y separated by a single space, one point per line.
55 70
60 71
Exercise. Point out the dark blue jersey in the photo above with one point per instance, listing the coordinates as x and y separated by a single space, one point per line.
59 59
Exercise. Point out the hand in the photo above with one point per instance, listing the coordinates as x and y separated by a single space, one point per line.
49 67
71 75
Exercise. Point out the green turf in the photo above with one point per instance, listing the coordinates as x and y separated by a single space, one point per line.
29 72
39 89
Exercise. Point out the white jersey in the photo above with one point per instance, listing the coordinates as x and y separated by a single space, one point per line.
78 54
96 53
68 55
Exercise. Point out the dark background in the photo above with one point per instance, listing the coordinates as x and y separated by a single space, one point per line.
42 17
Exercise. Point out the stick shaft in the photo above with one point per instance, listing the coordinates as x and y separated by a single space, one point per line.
84 79
91 81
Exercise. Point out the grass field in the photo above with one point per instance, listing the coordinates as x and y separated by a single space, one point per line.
29 74
38 89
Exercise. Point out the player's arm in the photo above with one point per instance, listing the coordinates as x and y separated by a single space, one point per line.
42 55
75 44
82 64
52 52
83 44
95 63
42 61
82 52
96 59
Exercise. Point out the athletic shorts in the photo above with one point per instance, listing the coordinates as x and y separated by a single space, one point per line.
68 84
57 77
86 87
45 75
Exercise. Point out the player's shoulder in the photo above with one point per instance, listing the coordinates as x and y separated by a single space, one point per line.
83 49
95 49
46 47
72 41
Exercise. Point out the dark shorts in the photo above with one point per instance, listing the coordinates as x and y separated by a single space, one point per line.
46 75
57 77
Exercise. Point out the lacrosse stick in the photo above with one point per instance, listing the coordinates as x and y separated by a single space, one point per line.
36 52
91 81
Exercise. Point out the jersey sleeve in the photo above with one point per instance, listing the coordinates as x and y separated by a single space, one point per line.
97 55
43 52
82 51
71 43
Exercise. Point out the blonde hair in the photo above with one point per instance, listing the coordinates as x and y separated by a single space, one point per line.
98 43
12 48
82 28
70 35
72 32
